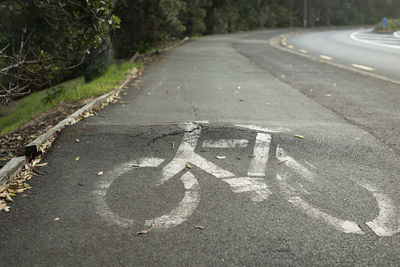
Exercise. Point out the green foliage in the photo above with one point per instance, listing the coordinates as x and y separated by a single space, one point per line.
24 109
144 23
393 25
97 67
44 37
53 93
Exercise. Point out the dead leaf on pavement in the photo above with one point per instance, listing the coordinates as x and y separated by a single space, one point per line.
199 227
220 157
76 158
3 206
143 232
100 173
241 100
188 166
77 140
57 219
298 136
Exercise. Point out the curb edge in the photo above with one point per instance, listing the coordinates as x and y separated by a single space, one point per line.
15 165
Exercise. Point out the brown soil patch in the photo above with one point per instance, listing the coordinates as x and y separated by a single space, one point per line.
12 144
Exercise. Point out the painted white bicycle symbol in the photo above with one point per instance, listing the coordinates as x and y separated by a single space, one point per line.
254 185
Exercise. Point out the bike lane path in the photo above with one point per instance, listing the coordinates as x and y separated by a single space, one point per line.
335 171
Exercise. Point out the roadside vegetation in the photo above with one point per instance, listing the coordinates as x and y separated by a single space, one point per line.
72 91
393 25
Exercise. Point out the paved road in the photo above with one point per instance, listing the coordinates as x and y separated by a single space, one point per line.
362 49
228 158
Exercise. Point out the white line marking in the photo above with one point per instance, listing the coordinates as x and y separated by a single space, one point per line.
185 154
326 57
290 195
288 161
184 209
261 129
345 226
256 187
224 143
258 164
387 222
101 189
363 67
355 38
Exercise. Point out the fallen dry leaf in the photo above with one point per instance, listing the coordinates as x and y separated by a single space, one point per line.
100 173
41 164
143 232
57 219
220 157
298 136
188 166
77 158
241 100
199 227
19 191
77 140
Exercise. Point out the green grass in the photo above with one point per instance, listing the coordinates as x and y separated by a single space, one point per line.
393 25
26 108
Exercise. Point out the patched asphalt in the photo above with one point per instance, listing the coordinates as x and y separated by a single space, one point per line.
205 80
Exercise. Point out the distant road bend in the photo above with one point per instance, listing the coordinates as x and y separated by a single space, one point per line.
362 49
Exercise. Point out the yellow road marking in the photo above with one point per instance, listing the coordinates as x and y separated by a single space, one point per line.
363 67
326 57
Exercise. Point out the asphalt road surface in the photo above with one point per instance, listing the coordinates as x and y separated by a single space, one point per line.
359 48
229 153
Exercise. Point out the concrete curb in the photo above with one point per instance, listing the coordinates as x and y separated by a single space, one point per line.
276 42
33 148
15 165
11 169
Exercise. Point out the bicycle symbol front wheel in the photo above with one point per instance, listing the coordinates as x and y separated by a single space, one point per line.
175 217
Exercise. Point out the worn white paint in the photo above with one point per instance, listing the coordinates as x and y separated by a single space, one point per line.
105 182
387 222
262 129
255 187
356 37
288 161
184 209
185 154
258 163
226 143
362 67
326 57
291 196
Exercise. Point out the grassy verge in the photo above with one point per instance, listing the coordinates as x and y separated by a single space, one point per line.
24 109
393 25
